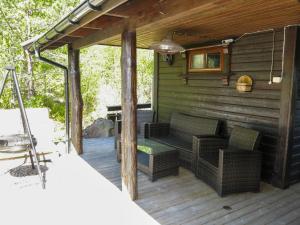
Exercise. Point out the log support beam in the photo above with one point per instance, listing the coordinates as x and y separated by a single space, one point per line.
129 102
76 99
287 106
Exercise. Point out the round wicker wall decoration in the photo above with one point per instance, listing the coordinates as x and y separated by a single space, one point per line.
244 84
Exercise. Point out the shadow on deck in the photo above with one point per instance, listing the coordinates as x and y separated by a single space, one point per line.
187 200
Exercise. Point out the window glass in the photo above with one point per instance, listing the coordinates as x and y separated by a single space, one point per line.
198 61
209 59
213 60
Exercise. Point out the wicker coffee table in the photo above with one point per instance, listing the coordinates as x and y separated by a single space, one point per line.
156 159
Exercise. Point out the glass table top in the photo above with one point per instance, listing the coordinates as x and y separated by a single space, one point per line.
152 147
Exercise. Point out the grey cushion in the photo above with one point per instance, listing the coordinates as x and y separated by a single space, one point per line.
244 139
184 126
143 116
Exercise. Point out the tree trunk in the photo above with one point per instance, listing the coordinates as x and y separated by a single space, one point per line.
129 101
30 78
76 99
30 74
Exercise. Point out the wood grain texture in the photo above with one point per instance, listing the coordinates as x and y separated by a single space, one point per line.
155 86
185 199
193 21
129 120
207 20
106 7
287 107
294 174
205 95
76 99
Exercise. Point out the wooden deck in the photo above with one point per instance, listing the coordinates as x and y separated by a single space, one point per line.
187 200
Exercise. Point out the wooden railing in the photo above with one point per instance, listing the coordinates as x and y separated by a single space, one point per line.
118 107
114 110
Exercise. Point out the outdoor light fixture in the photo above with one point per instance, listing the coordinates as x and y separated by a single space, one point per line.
167 46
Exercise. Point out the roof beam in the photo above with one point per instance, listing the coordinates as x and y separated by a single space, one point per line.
145 15
106 7
102 22
119 15
100 35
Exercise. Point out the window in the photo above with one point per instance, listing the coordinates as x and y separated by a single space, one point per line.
206 59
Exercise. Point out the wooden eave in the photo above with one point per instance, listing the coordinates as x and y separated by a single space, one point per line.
192 21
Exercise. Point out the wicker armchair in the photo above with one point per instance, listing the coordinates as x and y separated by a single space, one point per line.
229 166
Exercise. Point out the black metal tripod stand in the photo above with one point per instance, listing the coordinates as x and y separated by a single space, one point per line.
11 71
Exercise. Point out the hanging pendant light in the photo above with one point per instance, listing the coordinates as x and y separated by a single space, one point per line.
167 46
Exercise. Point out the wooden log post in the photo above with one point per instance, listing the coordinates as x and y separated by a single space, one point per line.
287 106
76 99
129 102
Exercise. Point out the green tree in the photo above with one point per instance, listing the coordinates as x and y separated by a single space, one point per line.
21 20
42 85
101 71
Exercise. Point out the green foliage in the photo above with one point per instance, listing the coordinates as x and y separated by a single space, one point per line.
56 108
101 79
42 85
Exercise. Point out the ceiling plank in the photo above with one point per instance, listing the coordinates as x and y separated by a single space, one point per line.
209 20
81 32
220 22
116 15
143 13
100 35
103 22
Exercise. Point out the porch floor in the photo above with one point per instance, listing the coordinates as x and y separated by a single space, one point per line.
187 200
77 194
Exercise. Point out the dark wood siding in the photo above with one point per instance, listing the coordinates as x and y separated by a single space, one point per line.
295 156
204 95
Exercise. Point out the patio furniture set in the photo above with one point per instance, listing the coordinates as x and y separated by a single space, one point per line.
229 165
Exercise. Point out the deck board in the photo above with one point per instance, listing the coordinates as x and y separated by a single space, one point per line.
184 199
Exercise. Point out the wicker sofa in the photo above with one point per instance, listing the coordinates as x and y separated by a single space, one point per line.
179 134
229 166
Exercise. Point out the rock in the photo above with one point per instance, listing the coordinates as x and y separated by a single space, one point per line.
99 128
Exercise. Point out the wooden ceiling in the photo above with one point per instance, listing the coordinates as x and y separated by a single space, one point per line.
192 21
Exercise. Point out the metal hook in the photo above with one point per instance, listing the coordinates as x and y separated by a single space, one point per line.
93 7
57 31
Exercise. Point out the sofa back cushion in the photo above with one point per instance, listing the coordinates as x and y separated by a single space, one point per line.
184 126
144 116
244 139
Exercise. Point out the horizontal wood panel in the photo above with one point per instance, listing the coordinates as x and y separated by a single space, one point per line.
271 113
223 91
175 70
256 47
231 100
260 85
264 37
296 140
205 95
295 155
258 51
255 57
256 75
229 119
255 66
